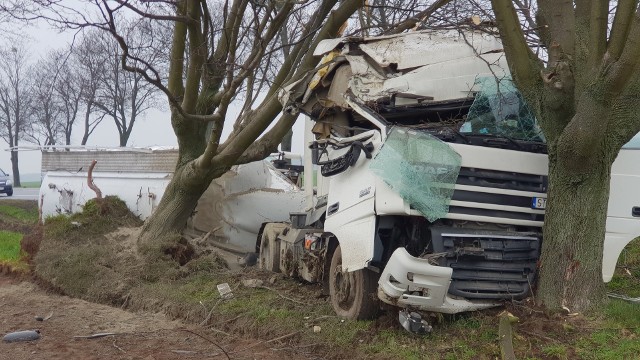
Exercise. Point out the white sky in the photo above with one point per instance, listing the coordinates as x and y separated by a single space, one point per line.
153 128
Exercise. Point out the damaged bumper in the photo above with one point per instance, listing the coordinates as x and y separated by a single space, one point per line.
412 282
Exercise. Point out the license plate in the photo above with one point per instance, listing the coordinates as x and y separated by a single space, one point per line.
1 188
539 203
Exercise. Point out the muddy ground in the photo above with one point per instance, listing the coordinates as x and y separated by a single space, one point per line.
139 335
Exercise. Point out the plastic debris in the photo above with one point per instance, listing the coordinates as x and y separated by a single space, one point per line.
635 300
225 291
316 329
413 322
94 336
26 335
40 318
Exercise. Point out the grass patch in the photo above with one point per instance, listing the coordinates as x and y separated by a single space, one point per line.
9 246
618 337
24 215
626 279
11 255
30 184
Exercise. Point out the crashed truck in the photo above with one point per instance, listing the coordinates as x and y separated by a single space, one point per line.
430 178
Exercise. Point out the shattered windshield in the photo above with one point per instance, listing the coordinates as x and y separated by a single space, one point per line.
421 168
500 110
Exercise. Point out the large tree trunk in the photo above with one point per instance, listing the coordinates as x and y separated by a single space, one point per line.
15 168
574 230
177 204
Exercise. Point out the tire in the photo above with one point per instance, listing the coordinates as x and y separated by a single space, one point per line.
353 294
10 192
269 259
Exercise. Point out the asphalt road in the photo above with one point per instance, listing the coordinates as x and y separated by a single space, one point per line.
22 194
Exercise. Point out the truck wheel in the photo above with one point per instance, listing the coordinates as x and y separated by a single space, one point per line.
269 252
353 294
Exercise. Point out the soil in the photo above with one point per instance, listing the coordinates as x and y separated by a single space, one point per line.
138 335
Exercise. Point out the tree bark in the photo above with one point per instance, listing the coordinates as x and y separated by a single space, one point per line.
573 238
178 202
15 168
285 145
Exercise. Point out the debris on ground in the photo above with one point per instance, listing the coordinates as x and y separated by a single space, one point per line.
94 336
317 329
25 335
635 300
40 318
413 322
225 291
250 259
252 283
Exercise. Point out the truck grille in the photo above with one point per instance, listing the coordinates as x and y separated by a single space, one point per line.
501 180
488 264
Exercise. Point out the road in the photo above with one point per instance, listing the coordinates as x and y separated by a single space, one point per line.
22 194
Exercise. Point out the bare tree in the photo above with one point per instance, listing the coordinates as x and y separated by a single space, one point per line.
69 88
89 64
15 101
56 93
123 95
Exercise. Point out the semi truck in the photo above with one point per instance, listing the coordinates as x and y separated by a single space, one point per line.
425 178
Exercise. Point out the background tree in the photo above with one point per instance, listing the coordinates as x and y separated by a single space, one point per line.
56 92
123 95
89 63
15 101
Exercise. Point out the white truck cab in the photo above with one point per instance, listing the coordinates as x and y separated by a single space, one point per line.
430 178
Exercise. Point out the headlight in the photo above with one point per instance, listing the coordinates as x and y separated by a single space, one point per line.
9 183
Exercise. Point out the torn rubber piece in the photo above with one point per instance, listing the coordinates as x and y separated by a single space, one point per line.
26 335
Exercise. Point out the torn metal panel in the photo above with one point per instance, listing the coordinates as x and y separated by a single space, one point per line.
415 67
235 206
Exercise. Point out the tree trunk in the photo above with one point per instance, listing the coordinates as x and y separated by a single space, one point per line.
285 145
571 275
15 168
178 202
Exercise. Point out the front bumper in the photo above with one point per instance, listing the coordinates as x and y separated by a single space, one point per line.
414 283
5 189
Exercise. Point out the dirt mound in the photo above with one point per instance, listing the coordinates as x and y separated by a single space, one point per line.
88 254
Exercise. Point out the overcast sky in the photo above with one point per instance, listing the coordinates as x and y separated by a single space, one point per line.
153 128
